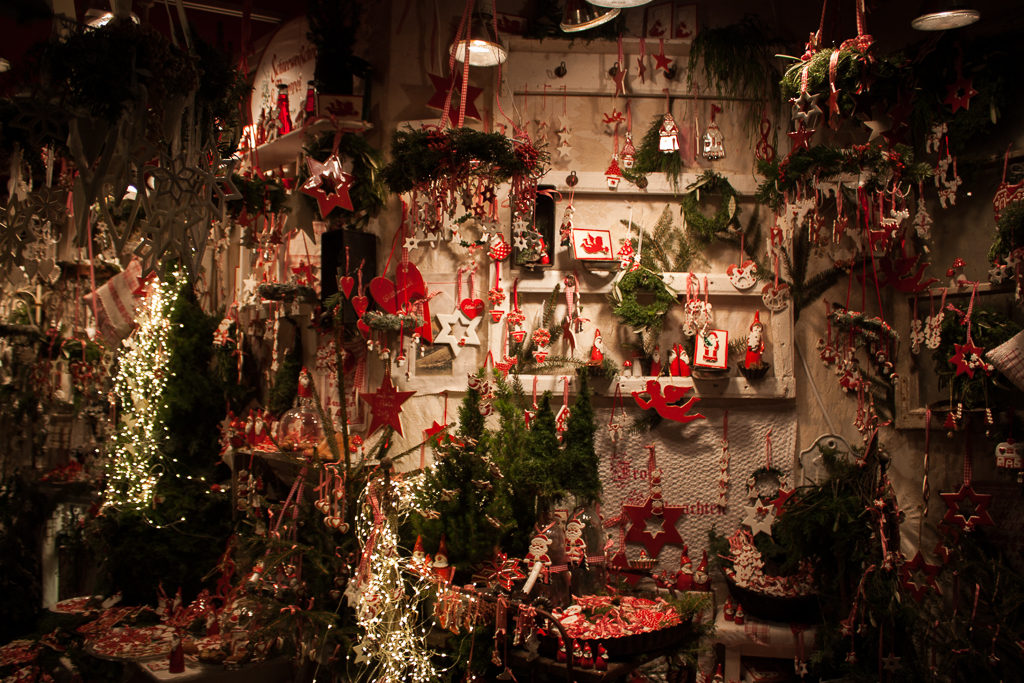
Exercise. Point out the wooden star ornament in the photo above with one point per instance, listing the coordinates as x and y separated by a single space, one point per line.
653 541
759 518
959 94
968 358
800 137
385 406
918 577
967 508
328 184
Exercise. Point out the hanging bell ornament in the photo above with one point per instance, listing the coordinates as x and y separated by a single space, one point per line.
714 142
628 156
668 135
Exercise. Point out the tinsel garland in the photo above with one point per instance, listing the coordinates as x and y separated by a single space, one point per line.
422 156
630 311
706 228
874 166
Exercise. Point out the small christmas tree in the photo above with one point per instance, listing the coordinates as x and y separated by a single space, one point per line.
577 467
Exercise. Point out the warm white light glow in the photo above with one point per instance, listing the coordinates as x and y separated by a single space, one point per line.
946 19
481 52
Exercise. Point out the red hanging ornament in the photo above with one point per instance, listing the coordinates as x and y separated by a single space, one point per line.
671 405
653 508
328 184
385 406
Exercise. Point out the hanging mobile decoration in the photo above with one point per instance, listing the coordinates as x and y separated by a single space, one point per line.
805 113
563 130
947 184
496 295
562 416
723 464
628 156
515 318
713 139
969 358
653 509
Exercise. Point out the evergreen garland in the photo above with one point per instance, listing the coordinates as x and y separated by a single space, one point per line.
1009 231
624 297
666 248
650 158
989 329
423 156
706 228
851 70
737 60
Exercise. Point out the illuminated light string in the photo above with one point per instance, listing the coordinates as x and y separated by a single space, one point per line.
392 592
136 462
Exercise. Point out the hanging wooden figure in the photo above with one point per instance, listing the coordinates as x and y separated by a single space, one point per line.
668 135
713 139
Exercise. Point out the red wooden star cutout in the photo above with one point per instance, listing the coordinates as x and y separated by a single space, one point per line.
385 405
781 499
661 61
918 577
967 509
800 137
653 542
328 184
959 94
966 357
304 275
619 77
441 85
641 67
437 429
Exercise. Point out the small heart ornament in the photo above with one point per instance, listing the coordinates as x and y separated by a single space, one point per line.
347 283
471 308
360 303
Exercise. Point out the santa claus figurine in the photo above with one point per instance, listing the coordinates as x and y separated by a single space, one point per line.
575 546
684 576
419 557
701 580
656 361
538 553
442 570
679 361
597 351
601 658
755 344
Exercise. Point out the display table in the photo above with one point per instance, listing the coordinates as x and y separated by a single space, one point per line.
759 638
271 671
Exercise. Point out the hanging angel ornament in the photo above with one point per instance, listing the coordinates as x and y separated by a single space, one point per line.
713 139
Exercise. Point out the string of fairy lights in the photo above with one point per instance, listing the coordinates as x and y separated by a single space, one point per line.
392 592
135 464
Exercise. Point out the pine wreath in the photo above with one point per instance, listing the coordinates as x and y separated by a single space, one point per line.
707 228
630 311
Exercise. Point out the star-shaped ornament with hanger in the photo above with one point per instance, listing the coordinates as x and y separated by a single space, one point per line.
385 406
968 358
328 184
918 577
640 530
662 62
959 94
805 108
447 334
967 509
759 518
441 85
800 137
618 75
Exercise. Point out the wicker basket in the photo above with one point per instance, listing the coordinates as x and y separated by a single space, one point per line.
801 609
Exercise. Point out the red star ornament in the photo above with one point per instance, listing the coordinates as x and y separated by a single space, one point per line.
962 359
619 77
304 274
661 61
967 509
800 137
653 542
328 184
441 85
780 500
436 429
918 577
385 405
641 67
959 94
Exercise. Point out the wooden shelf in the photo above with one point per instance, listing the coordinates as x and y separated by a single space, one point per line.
288 148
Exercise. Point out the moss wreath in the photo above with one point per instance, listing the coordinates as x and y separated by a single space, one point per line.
704 228
629 310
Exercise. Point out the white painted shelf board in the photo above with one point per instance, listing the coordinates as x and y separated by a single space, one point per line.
658 184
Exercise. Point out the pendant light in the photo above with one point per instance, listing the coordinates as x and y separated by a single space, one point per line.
485 48
619 3
580 15
939 15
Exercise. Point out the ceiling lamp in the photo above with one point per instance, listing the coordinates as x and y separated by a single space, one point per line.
619 3
580 15
945 14
485 48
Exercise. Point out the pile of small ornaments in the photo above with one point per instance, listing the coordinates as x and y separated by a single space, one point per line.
593 617
747 570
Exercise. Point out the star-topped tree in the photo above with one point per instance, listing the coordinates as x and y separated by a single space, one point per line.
328 184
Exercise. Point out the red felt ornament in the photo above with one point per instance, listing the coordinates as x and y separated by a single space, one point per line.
328 184
385 406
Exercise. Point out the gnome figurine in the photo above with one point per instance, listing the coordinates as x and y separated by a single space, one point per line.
442 570
755 344
684 576
701 580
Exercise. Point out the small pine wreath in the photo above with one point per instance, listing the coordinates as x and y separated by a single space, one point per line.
630 311
707 228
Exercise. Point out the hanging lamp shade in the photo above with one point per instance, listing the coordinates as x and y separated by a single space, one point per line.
485 48
619 3
939 15
580 15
